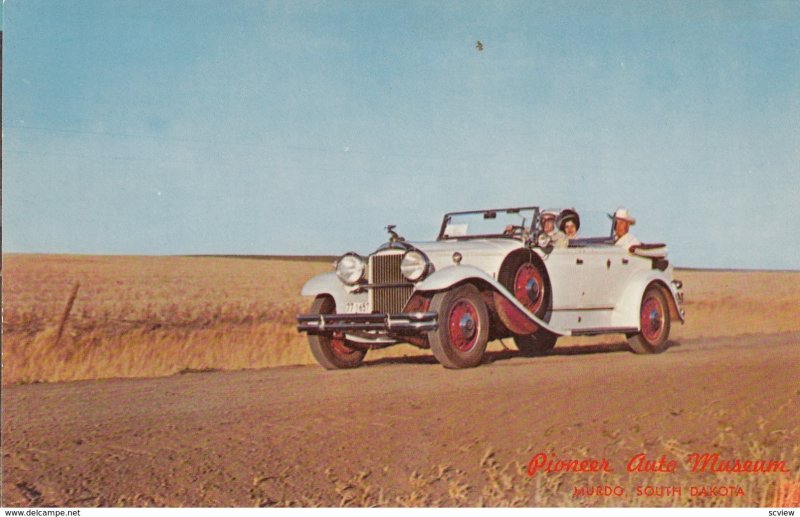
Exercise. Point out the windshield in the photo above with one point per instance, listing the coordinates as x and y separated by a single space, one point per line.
594 224
503 222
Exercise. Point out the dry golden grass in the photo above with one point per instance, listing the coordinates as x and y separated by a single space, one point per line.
731 303
151 316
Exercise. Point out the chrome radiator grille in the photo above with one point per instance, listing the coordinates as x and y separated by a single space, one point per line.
385 269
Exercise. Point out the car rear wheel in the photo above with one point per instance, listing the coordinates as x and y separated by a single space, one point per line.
536 344
463 332
331 349
654 323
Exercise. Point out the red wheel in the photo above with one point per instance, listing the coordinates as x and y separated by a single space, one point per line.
331 350
652 319
462 324
463 332
339 346
654 323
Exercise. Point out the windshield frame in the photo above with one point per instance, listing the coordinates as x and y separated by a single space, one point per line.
531 227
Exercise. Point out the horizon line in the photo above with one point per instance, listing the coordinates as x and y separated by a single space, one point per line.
325 258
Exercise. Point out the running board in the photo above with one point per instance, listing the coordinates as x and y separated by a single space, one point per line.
605 330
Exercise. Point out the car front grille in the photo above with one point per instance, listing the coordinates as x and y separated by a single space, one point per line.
385 269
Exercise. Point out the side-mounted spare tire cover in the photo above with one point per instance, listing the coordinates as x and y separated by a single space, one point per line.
525 276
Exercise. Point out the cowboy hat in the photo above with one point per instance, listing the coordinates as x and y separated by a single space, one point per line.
622 213
548 214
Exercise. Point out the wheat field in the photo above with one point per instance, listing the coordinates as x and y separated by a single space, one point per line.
150 316
137 316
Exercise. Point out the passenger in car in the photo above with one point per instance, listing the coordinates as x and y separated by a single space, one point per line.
622 223
557 237
570 229
570 223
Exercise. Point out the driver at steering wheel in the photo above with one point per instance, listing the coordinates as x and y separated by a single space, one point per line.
557 237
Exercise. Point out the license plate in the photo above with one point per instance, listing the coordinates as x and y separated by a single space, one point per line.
356 307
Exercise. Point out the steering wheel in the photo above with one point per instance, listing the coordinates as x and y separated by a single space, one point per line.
513 229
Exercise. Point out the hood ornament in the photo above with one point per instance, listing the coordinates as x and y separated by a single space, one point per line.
394 236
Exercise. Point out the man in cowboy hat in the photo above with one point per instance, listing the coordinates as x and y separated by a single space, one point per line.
557 237
622 223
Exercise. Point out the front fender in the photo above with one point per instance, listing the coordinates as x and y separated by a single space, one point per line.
627 310
329 284
448 277
326 283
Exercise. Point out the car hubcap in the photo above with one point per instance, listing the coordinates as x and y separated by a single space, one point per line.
467 325
528 287
463 325
652 319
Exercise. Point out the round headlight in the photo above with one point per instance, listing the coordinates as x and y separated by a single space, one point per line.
414 265
350 268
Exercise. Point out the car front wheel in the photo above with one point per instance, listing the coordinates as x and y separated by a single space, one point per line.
654 323
331 349
463 332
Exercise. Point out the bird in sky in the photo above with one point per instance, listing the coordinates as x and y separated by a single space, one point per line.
479 46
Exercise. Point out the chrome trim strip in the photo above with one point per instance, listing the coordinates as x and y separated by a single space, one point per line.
378 286
605 330
397 322
583 309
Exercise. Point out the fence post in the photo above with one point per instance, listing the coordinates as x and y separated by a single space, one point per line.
67 310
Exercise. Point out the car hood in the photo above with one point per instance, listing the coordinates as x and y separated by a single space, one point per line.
486 253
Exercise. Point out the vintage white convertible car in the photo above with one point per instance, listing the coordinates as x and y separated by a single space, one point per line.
490 274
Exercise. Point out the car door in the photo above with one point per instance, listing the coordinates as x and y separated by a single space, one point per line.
621 266
607 271
565 268
598 290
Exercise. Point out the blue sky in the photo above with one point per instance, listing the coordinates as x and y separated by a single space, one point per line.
305 127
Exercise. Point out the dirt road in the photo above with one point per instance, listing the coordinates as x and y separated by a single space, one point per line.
398 432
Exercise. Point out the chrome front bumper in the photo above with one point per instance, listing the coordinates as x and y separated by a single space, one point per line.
398 322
